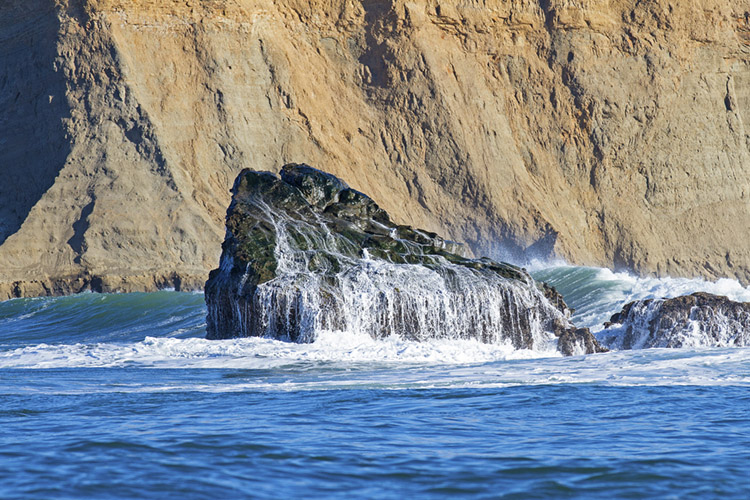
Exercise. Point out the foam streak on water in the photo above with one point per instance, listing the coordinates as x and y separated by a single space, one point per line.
394 363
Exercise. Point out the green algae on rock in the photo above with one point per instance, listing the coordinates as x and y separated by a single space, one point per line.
305 253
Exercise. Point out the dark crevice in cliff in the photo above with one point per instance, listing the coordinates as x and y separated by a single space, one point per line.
78 10
76 242
549 13
379 16
544 247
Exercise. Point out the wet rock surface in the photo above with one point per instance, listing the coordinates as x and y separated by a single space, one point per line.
305 253
696 320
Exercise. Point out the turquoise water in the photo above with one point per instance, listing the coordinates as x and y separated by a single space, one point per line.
119 396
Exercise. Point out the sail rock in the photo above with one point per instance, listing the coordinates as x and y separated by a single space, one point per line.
305 253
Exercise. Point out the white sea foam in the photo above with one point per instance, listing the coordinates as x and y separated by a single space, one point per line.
252 353
337 361
268 365
644 288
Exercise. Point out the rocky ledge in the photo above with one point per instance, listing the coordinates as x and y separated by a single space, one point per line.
305 253
696 320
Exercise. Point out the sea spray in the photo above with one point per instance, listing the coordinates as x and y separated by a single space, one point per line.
161 330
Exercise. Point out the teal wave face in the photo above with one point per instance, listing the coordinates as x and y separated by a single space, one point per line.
594 299
92 317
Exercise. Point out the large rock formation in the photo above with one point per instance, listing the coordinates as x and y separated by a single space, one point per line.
697 320
604 132
305 253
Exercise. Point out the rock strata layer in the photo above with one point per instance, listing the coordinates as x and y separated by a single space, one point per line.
305 253
607 133
697 320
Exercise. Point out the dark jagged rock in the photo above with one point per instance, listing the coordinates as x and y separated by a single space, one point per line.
305 253
555 298
696 320
578 340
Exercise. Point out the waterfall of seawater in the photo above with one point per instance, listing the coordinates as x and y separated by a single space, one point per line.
598 293
712 328
319 286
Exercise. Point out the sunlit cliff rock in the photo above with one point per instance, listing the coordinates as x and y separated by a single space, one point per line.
603 132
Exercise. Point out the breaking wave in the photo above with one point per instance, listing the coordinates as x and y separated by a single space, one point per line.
596 293
167 330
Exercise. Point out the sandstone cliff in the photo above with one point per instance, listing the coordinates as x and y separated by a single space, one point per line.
603 132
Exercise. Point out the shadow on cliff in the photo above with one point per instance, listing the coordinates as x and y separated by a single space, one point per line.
33 142
379 18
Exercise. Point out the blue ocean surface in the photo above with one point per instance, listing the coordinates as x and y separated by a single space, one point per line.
120 396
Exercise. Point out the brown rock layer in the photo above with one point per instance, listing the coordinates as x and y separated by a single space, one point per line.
603 132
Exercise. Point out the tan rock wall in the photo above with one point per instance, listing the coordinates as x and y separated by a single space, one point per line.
603 132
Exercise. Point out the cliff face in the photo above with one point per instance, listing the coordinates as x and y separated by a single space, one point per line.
603 132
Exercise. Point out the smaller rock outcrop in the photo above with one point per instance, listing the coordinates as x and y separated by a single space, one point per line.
575 341
305 253
696 320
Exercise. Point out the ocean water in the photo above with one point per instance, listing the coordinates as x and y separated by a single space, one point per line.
119 396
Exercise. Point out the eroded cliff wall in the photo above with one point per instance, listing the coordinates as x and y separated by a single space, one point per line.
603 132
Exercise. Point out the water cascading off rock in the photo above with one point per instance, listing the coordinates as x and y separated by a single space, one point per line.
305 253
696 320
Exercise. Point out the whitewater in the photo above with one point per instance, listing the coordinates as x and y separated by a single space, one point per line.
121 396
